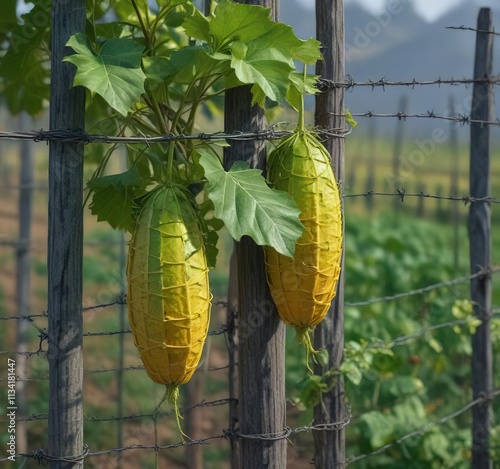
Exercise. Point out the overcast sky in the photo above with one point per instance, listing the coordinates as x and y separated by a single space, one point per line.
430 10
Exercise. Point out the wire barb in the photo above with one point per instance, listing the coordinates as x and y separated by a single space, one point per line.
80 136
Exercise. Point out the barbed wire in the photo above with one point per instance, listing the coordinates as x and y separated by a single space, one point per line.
122 299
40 455
22 244
402 194
27 317
222 330
287 432
81 136
418 291
110 370
156 414
349 83
422 332
44 336
464 28
394 342
34 187
460 118
426 428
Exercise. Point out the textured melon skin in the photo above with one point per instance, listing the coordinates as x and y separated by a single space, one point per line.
303 287
168 297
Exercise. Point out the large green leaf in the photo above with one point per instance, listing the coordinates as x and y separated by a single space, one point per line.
266 61
377 427
158 70
270 76
114 72
170 3
309 52
24 70
262 51
197 26
279 43
300 87
8 19
248 206
237 21
210 226
113 199
195 62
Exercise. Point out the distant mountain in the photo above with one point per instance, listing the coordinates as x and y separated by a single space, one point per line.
400 45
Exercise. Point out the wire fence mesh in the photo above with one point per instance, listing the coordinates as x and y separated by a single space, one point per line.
223 434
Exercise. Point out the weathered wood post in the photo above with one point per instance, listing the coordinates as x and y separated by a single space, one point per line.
480 241
232 350
420 200
67 107
455 209
397 153
23 280
122 313
372 164
440 214
330 445
261 333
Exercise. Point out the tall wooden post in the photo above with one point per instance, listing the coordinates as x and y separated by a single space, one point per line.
398 149
232 350
455 214
330 445
372 163
122 313
23 281
480 241
261 333
65 245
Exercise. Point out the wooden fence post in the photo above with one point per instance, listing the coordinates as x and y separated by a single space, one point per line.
261 333
398 149
122 312
232 350
330 445
440 214
455 209
480 241
372 164
420 188
23 280
67 107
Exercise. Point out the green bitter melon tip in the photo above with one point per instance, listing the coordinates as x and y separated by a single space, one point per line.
319 356
173 400
304 338
172 397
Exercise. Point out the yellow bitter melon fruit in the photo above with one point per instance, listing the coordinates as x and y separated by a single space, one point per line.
168 297
303 287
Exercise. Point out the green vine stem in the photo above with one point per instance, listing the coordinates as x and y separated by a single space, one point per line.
301 120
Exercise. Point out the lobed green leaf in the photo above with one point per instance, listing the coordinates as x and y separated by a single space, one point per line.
113 198
248 206
114 72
